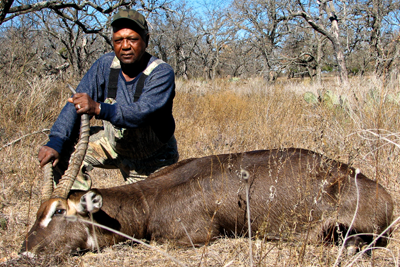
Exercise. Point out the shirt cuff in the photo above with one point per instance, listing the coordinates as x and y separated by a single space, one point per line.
55 143
107 112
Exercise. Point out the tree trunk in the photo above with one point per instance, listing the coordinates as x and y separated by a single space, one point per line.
332 36
4 7
318 59
337 47
376 51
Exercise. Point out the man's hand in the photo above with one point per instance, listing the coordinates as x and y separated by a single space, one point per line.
47 154
84 104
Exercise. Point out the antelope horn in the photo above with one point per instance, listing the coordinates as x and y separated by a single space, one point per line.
75 162
48 181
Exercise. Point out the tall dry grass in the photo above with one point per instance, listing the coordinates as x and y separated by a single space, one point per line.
212 117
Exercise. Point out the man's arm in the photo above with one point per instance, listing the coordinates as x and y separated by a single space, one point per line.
83 104
67 124
158 94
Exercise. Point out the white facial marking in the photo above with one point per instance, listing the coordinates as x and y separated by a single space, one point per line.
49 215
89 201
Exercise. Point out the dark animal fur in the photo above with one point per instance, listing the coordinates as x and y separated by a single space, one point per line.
293 193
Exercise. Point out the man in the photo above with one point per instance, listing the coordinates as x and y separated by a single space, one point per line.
132 92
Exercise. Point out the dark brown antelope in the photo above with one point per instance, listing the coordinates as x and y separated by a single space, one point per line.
292 193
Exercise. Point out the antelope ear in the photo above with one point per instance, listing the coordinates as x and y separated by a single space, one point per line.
91 201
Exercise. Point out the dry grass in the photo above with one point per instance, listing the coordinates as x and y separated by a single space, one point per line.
212 118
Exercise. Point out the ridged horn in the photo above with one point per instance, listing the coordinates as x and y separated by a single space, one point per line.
48 183
75 162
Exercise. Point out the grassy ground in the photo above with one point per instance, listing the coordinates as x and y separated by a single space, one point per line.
357 125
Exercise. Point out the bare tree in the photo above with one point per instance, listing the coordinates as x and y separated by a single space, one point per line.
385 52
261 21
326 9
235 58
73 27
303 50
74 48
215 34
21 52
174 38
9 11
241 38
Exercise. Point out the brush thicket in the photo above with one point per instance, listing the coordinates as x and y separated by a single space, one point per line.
212 118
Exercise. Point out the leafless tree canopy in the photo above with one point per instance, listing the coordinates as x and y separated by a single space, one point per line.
237 38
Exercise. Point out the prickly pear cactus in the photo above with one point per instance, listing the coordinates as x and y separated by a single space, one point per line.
330 99
310 98
393 98
327 98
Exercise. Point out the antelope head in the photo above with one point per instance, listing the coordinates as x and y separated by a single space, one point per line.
52 230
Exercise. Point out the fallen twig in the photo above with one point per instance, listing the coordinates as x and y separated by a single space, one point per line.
26 135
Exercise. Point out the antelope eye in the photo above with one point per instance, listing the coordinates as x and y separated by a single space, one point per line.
60 212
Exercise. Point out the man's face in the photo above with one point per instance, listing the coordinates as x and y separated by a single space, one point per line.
129 46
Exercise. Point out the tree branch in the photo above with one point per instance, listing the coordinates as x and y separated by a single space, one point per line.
313 24
5 6
55 5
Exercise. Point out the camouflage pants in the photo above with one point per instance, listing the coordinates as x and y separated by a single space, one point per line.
100 154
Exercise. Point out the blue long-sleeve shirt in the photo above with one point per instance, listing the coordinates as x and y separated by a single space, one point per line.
154 106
